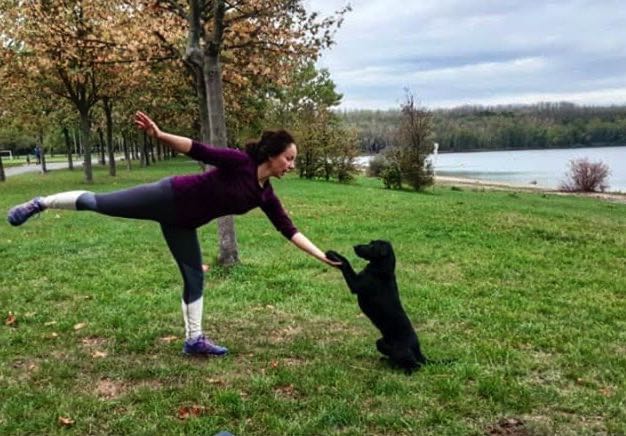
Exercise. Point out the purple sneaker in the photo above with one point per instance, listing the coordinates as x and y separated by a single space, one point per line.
201 346
20 213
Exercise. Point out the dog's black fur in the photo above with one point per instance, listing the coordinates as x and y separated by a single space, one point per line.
377 293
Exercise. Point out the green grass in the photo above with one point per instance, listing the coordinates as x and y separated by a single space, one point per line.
525 292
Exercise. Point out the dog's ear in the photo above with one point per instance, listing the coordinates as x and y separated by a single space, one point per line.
383 248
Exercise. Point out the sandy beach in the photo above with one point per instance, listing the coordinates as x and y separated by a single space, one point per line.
482 184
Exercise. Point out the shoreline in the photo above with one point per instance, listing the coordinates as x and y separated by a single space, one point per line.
503 186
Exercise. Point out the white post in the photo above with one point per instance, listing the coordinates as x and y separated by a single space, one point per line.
435 153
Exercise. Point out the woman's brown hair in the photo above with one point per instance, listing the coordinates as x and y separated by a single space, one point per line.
272 143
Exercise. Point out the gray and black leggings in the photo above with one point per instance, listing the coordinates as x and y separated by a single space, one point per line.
154 201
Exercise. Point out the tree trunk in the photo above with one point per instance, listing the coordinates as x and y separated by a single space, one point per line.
206 69
228 254
85 126
145 159
76 143
102 160
108 112
152 150
2 176
68 147
126 152
42 153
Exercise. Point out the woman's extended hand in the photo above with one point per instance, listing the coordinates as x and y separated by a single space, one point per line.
145 123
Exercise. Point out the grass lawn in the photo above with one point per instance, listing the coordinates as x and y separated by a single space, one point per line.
524 292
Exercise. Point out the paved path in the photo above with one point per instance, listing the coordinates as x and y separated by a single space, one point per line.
33 168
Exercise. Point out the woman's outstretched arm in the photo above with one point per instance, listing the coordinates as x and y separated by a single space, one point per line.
179 144
303 243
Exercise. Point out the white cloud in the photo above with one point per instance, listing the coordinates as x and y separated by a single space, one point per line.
468 51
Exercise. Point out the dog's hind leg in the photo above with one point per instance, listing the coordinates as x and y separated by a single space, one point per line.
405 359
419 357
383 347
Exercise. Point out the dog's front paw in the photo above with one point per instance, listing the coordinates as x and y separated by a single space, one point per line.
335 257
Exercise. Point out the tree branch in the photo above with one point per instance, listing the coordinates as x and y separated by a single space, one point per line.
174 7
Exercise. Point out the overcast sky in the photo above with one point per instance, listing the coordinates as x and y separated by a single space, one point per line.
457 52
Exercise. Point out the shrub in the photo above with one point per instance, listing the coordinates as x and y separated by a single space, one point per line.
392 177
585 176
376 166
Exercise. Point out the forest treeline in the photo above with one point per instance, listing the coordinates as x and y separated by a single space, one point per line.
544 125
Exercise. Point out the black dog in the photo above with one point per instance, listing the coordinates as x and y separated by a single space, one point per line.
378 297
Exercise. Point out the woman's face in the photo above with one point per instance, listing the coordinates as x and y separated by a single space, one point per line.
284 162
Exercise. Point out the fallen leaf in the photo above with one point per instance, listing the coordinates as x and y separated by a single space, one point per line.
507 426
285 390
606 391
49 323
53 335
168 339
274 364
186 412
93 341
80 325
65 421
11 320
99 354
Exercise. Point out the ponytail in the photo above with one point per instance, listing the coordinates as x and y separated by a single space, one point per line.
272 143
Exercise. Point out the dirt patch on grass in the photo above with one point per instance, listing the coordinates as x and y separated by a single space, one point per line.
108 389
291 361
94 342
557 422
508 426
286 391
287 333
151 385
25 368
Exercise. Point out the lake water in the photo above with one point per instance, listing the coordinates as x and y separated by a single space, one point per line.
545 168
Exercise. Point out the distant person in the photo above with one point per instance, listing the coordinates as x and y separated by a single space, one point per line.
37 153
180 204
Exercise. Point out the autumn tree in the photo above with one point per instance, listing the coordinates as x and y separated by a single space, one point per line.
26 107
240 42
74 49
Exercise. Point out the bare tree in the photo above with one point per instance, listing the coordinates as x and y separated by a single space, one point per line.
413 145
585 176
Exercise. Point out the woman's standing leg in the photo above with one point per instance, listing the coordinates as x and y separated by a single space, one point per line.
185 248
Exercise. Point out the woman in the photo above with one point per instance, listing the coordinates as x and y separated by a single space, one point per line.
181 204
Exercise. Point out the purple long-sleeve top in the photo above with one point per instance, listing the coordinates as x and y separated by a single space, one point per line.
231 188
